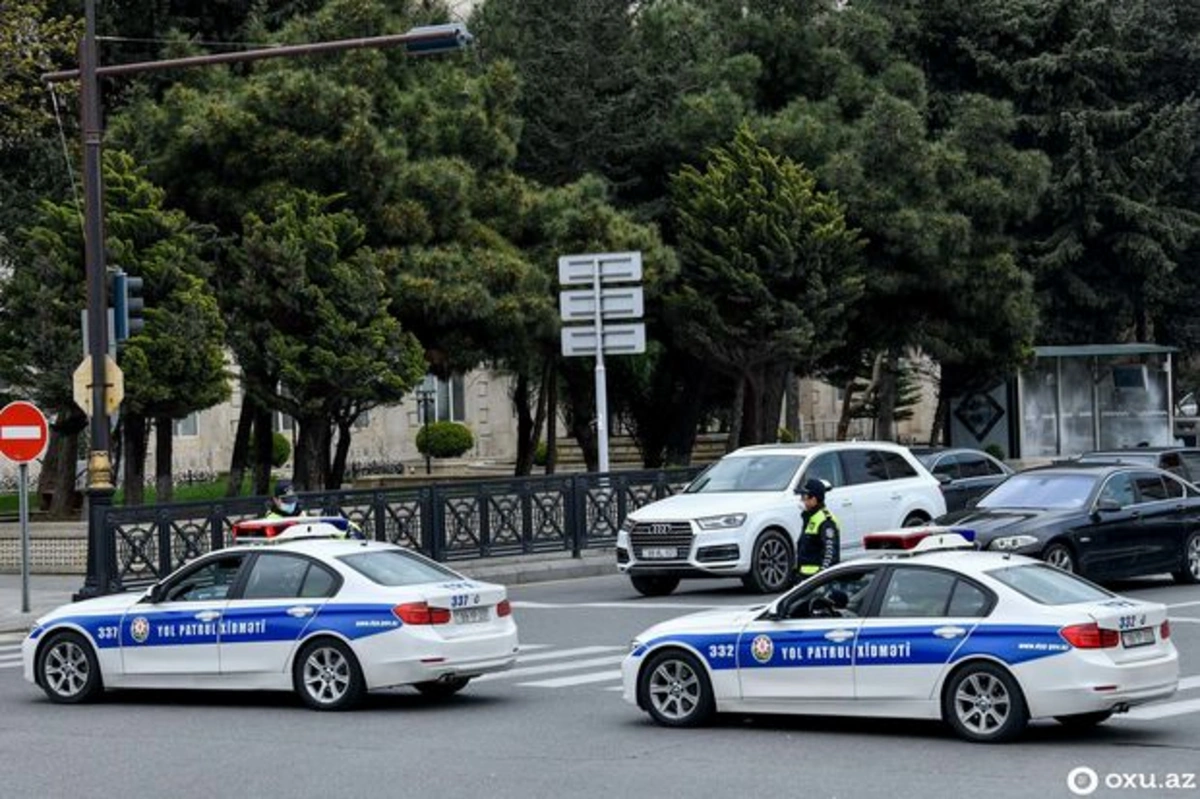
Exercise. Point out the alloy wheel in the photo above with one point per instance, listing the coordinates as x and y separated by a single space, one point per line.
774 562
982 704
675 690
327 675
66 669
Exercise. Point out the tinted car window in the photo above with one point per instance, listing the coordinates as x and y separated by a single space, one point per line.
210 581
1118 488
279 576
1172 462
968 600
1150 487
1047 585
1174 488
947 465
392 567
1192 461
827 467
975 466
897 466
319 582
846 592
917 592
863 466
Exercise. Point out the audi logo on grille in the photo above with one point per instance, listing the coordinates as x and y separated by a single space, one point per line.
660 528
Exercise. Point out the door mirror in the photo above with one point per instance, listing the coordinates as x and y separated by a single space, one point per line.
1108 506
772 613
944 478
155 593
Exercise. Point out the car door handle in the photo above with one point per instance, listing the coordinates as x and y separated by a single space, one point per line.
950 632
896 497
1084 539
208 615
837 636
300 611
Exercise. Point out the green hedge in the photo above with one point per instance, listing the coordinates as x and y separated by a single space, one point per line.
444 440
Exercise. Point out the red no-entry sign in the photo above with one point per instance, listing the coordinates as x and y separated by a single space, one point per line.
23 432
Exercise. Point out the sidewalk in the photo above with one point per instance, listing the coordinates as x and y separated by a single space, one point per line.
48 591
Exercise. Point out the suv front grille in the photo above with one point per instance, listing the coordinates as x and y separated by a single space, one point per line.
661 534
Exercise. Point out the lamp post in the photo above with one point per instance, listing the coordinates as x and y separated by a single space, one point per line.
425 396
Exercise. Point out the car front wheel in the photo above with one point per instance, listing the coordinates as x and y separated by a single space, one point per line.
674 688
771 566
1190 573
327 676
983 704
68 671
1060 557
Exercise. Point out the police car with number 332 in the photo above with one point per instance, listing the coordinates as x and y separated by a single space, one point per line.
924 627
313 612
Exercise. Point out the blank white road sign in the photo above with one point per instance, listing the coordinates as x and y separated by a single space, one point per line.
616 302
615 267
622 339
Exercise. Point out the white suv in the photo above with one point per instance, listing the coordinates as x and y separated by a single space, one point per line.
741 516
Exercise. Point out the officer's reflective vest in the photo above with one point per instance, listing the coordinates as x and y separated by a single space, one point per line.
813 528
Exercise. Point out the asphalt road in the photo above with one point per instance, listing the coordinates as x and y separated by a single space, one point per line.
556 727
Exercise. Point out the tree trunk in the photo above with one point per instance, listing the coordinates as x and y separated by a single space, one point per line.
791 414
885 408
772 384
241 448
526 435
940 416
337 470
681 434
135 439
843 428
264 450
164 489
735 415
56 483
551 383
311 442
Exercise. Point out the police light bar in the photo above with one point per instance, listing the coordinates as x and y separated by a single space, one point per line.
262 531
924 539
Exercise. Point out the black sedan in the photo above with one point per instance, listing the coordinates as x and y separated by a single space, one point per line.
964 474
1104 521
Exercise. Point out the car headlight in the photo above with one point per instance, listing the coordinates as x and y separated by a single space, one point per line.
1009 543
726 521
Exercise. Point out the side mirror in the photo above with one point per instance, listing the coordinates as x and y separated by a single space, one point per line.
972 502
1108 506
155 594
772 613
944 478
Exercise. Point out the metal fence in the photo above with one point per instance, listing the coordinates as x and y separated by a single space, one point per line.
447 522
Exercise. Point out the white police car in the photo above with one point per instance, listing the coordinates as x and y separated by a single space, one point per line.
327 618
933 629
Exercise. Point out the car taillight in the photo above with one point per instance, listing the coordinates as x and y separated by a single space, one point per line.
503 609
1164 630
1090 636
421 613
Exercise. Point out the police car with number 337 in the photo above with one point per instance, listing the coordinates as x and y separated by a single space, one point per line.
923 627
315 613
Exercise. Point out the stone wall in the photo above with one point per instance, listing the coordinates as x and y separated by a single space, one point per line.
54 548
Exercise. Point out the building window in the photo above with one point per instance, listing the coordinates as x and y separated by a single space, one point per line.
187 426
447 397
283 423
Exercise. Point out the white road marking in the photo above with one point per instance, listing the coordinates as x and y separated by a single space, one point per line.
1185 604
551 668
1164 710
579 679
566 653
1183 619
1188 683
531 647
631 604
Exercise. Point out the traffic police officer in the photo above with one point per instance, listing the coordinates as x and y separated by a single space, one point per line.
818 547
284 503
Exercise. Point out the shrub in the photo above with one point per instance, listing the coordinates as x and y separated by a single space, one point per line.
444 440
281 450
541 453
785 436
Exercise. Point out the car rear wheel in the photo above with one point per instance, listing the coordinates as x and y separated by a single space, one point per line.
674 689
1081 721
327 676
983 704
915 520
1060 557
771 566
441 689
1190 573
68 671
654 586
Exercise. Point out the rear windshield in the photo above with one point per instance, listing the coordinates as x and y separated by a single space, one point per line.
1047 585
394 567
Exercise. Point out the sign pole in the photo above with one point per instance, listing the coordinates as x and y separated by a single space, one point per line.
23 515
601 381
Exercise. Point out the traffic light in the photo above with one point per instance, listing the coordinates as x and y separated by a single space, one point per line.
128 305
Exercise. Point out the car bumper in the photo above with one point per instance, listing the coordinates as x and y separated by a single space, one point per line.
1088 681
711 554
629 674
385 666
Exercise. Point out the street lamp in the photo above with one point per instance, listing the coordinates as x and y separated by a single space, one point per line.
425 397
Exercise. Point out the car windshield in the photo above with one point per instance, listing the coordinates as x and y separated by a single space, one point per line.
747 473
394 567
1041 490
1047 585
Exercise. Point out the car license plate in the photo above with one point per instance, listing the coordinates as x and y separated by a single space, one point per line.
660 553
472 615
1143 636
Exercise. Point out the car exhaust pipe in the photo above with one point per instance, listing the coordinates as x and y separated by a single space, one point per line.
1123 707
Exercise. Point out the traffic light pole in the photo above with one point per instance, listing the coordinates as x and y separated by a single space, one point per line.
101 560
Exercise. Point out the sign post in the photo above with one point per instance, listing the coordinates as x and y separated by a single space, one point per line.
602 302
23 437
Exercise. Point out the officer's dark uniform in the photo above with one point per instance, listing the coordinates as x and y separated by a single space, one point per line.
819 546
